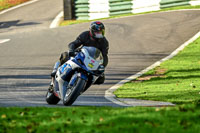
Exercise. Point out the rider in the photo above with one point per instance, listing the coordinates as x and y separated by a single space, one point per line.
94 37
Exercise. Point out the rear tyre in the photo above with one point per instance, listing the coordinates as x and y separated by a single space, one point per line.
74 92
51 98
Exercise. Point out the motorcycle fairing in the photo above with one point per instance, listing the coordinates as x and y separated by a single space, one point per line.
90 63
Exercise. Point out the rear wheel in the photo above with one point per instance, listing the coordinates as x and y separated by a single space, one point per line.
51 98
73 92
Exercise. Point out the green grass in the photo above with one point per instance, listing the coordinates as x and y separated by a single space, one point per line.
181 119
176 80
70 22
5 4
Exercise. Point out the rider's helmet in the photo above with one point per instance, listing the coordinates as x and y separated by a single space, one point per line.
97 30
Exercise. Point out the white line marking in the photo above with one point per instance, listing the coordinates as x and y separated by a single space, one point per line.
109 93
57 20
4 40
15 7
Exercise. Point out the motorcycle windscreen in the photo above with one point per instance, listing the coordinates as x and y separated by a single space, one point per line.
93 59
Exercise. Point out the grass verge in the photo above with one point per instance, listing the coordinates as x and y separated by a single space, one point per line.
5 4
176 80
70 22
184 118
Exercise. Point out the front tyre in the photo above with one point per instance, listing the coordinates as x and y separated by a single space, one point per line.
51 98
73 92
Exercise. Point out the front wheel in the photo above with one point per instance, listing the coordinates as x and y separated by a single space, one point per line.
51 98
73 92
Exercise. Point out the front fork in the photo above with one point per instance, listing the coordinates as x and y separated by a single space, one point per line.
64 86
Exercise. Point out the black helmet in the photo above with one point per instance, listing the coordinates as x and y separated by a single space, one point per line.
97 30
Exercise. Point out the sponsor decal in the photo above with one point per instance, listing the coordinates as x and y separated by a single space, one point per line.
90 65
92 61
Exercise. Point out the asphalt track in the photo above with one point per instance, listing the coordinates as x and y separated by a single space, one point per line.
35 16
136 42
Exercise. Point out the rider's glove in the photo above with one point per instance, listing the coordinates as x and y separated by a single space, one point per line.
71 53
101 69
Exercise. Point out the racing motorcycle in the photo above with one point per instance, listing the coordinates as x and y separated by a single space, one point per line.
76 75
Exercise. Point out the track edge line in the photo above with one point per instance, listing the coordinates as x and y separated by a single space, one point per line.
57 20
18 6
109 93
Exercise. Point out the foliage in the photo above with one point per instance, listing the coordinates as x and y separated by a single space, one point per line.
4 4
181 119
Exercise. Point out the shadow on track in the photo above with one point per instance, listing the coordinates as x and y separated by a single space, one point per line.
16 23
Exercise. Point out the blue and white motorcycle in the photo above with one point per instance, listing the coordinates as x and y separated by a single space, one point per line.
76 75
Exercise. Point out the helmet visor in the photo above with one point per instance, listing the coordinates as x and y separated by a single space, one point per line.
99 34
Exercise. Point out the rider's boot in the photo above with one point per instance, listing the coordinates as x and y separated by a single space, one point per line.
55 68
53 74
100 80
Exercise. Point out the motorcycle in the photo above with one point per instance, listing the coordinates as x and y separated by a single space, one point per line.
76 75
